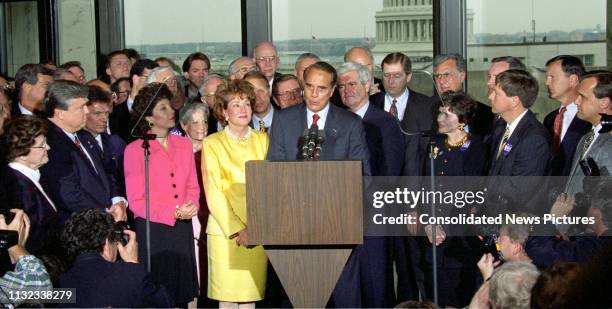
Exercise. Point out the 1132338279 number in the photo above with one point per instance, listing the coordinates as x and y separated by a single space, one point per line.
42 295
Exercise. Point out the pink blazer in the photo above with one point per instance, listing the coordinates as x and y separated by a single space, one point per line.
172 178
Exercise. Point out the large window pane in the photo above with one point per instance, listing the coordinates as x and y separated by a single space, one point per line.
184 27
329 28
77 34
534 31
21 22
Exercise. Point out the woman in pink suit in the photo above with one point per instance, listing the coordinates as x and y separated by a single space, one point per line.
174 194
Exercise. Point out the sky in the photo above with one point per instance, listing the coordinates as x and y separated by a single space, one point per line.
180 21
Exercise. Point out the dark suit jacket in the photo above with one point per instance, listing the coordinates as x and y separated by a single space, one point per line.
112 157
70 179
9 189
120 122
417 117
100 283
385 142
562 159
44 220
344 136
529 155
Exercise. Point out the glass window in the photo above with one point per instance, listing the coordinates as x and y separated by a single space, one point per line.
77 34
330 28
534 31
186 26
21 22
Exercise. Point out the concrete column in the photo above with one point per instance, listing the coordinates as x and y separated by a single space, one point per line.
609 33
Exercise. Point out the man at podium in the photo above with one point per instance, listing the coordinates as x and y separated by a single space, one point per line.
344 140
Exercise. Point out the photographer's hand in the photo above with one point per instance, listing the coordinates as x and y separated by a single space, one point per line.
129 253
564 205
440 234
486 266
20 224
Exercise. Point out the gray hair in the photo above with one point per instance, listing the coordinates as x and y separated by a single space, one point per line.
155 72
232 67
207 79
439 59
513 62
306 56
60 93
364 74
510 286
188 110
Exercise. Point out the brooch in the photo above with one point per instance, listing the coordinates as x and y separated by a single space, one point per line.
436 151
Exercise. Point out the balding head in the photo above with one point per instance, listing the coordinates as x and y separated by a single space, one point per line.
361 55
266 58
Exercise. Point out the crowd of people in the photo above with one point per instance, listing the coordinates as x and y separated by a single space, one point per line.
75 178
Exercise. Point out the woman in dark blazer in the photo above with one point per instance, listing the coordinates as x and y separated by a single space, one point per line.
26 152
459 153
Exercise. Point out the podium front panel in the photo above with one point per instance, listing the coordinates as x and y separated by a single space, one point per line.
304 203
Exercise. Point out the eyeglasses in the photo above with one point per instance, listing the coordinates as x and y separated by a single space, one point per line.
444 76
245 70
43 146
266 59
290 94
399 75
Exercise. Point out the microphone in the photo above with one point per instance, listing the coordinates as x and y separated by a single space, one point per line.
148 136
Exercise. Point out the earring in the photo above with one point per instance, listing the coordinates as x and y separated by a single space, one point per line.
461 127
151 124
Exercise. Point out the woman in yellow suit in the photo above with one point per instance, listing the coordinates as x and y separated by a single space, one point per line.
236 273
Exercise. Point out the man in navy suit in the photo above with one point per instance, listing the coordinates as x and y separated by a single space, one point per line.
109 147
345 139
450 72
91 238
75 176
31 82
562 78
522 147
413 111
386 147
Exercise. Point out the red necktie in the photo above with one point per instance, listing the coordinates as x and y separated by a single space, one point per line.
315 118
557 127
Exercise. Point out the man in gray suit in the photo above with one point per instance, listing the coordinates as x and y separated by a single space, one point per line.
595 98
345 139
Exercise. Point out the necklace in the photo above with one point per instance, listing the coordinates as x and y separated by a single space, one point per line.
457 144
237 138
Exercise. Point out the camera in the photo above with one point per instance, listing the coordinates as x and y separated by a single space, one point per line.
8 239
120 226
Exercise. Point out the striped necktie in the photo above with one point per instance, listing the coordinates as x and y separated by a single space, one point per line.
504 142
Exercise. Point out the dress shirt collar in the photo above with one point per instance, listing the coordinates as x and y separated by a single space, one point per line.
401 101
23 110
322 114
267 119
32 174
512 126
361 112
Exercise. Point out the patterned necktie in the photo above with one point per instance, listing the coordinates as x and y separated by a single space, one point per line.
557 127
587 143
315 118
393 108
262 126
503 142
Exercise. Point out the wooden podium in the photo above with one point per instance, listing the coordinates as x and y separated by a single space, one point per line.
309 215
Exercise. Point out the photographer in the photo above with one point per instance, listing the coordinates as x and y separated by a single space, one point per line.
29 271
91 237
546 250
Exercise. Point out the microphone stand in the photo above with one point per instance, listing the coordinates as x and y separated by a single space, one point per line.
146 137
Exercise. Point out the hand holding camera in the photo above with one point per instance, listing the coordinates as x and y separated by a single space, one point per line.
20 224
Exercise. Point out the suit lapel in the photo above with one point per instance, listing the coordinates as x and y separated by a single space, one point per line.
331 132
94 151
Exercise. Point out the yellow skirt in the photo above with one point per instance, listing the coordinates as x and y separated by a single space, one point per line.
235 273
